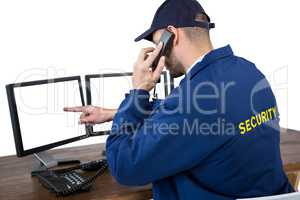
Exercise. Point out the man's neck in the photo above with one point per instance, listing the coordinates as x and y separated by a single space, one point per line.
196 53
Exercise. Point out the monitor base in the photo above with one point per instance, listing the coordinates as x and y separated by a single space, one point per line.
46 161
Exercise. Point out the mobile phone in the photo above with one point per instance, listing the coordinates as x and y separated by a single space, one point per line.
167 39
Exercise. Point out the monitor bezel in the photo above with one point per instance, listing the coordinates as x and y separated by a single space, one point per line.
15 118
110 75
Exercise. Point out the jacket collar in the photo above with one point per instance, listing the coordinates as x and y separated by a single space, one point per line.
209 58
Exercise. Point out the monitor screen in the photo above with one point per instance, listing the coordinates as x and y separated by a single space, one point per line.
108 91
41 118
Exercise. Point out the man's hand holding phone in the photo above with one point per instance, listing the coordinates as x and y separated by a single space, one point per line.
143 77
93 114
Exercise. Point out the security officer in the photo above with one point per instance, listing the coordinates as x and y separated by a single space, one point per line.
215 137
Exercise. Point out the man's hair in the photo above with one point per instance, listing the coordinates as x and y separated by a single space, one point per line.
197 33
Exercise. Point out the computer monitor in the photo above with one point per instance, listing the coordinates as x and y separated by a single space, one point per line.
108 91
38 120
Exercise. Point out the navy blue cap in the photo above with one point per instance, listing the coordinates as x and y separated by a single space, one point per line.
178 13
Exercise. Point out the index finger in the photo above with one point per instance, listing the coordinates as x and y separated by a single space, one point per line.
75 109
144 52
154 54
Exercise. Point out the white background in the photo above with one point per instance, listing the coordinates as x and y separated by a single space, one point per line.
45 39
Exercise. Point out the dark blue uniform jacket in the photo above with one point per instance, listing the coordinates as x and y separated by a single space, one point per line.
215 137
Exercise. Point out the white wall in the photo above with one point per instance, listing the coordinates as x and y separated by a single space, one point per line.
45 39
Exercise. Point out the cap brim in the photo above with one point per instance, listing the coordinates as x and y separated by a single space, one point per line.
147 35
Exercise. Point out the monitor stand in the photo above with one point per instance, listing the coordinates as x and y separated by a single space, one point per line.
46 161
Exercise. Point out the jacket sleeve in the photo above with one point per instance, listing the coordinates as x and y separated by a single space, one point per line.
146 146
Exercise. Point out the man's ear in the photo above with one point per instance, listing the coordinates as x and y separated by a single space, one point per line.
176 34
